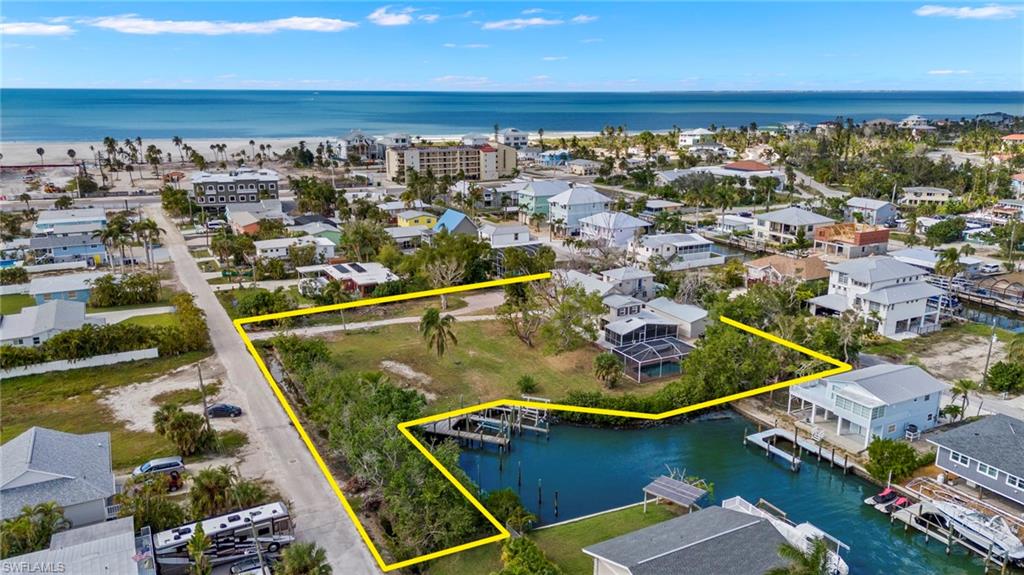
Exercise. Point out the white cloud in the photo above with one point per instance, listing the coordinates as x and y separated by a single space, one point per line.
384 17
133 24
554 58
529 11
34 29
591 40
429 18
987 12
520 23
541 78
466 46
948 72
583 19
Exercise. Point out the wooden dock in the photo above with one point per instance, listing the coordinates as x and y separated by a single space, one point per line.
766 440
450 428
493 426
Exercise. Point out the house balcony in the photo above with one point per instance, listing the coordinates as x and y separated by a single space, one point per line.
820 411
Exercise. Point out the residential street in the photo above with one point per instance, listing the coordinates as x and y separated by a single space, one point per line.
279 453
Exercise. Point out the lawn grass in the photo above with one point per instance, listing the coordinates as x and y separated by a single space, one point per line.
154 320
11 304
901 350
188 396
561 544
69 401
483 366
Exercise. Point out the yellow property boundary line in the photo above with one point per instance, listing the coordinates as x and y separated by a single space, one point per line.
404 427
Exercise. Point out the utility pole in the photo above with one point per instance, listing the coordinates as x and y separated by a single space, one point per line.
988 356
202 390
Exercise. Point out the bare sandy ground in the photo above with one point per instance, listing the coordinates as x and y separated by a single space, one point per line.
414 379
961 359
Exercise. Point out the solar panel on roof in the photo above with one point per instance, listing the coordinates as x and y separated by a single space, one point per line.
357 267
341 268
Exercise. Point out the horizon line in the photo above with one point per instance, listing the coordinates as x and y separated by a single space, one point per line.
430 91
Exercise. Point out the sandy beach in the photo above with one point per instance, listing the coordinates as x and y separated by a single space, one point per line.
24 152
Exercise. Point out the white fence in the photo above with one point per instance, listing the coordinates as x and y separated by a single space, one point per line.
76 265
14 289
94 361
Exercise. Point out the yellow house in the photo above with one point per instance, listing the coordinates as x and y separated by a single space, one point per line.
416 218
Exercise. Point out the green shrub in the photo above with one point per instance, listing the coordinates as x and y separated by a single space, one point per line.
13 275
896 457
1006 376
527 384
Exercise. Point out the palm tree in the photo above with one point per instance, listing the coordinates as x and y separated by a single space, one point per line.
176 140
25 198
211 491
948 265
912 239
199 563
148 232
813 561
540 134
112 234
437 330
1015 349
63 203
962 388
303 559
40 151
607 368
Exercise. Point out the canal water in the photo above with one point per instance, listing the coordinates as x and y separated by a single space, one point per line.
598 469
986 315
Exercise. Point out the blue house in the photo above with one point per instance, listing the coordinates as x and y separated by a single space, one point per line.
887 401
456 223
74 287
987 453
53 249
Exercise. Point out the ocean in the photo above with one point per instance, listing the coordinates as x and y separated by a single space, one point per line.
74 115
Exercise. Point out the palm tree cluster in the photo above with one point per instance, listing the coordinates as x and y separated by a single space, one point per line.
189 432
120 231
31 529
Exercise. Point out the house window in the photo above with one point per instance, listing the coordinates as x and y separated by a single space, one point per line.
35 340
891 428
1015 482
927 397
959 458
988 470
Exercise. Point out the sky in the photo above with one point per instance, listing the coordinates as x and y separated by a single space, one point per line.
509 46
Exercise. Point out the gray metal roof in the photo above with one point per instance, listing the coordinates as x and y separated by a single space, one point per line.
64 283
997 440
902 293
51 242
876 269
893 383
38 319
712 540
614 221
107 548
43 465
579 195
867 203
546 188
685 312
794 217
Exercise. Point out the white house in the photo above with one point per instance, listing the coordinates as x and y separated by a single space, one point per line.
870 211
927 259
782 226
675 251
582 167
353 276
52 220
569 207
506 235
615 229
631 281
884 400
43 465
920 195
35 324
513 137
690 319
278 248
694 137
885 292
731 224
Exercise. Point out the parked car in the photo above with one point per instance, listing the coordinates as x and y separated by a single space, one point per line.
223 410
990 268
215 224
166 465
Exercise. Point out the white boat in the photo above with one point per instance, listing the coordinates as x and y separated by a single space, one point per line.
801 536
983 530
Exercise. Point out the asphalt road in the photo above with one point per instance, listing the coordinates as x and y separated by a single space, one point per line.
280 454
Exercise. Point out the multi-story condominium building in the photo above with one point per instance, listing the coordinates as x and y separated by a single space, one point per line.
514 138
783 226
569 207
675 251
869 211
486 162
891 295
216 190
987 453
885 401
851 240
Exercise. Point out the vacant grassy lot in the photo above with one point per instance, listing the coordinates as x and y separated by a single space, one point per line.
69 401
155 320
561 544
484 366
11 304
